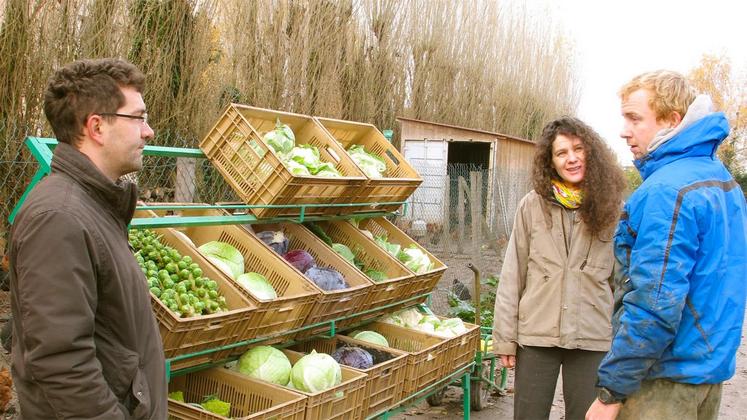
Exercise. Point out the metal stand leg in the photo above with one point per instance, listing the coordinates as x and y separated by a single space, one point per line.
465 395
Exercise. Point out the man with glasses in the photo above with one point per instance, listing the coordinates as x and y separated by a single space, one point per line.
86 343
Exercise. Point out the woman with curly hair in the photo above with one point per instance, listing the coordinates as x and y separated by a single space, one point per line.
554 300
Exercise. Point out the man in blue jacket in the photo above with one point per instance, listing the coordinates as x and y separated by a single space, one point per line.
682 252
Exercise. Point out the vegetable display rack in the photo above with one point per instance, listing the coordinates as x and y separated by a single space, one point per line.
41 149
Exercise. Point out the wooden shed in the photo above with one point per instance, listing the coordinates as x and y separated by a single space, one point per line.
433 149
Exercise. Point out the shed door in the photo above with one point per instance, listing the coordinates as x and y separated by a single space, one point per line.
429 158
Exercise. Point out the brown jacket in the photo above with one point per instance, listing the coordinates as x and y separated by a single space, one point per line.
86 343
551 294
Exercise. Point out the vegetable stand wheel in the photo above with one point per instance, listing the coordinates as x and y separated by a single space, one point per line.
479 389
437 398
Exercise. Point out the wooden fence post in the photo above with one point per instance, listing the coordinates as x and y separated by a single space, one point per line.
185 180
460 212
475 204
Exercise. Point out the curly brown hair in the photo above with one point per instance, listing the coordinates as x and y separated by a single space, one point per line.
603 184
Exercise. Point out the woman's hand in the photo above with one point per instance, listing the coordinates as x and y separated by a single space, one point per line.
508 360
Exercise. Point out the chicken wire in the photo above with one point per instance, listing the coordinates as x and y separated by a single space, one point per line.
162 179
433 219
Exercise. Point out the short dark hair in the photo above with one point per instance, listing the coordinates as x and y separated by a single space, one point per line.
85 87
604 181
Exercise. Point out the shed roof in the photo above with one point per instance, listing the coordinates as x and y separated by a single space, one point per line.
498 136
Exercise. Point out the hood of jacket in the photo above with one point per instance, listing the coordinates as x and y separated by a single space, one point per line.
120 198
699 134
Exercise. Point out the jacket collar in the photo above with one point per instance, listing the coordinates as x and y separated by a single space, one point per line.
701 138
119 198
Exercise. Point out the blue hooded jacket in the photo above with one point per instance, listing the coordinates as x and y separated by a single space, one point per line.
682 252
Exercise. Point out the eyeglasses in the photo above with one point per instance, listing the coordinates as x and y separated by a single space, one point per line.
143 118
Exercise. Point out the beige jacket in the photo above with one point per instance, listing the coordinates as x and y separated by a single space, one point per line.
550 296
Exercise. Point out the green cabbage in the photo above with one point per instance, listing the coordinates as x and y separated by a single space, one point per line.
316 372
257 285
415 259
373 166
376 275
391 248
296 168
451 327
393 319
428 324
177 396
266 363
214 405
345 252
371 337
410 317
307 155
224 255
326 170
281 139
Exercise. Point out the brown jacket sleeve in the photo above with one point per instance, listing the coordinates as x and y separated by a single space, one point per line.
512 282
57 295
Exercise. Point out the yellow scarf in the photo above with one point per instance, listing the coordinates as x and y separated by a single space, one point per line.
568 196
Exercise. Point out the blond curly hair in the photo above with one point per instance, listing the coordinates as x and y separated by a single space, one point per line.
670 92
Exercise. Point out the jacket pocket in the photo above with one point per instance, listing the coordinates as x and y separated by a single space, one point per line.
539 306
595 304
119 366
141 396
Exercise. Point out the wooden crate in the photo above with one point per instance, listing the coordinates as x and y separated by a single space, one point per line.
421 283
343 402
399 284
400 179
249 398
428 355
330 304
188 335
385 379
296 294
235 147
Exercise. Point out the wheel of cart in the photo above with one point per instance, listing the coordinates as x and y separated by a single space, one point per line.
482 378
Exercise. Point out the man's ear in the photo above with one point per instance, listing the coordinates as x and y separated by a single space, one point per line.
93 129
675 118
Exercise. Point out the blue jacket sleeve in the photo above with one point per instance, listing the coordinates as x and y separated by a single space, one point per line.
662 256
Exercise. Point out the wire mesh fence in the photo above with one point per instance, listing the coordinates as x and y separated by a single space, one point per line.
468 220
162 179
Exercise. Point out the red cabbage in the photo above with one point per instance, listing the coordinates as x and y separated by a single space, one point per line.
300 259
355 357
275 240
326 278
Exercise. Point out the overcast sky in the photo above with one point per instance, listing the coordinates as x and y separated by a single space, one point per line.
616 40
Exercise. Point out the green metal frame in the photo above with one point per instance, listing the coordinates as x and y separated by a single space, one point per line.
462 375
41 148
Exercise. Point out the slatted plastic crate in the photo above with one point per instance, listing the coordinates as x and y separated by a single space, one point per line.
462 348
400 179
421 283
296 294
386 378
330 304
236 148
428 355
250 399
189 335
399 284
341 402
